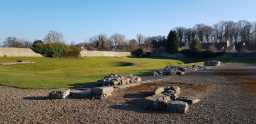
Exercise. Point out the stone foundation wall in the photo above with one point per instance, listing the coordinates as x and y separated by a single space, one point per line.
18 52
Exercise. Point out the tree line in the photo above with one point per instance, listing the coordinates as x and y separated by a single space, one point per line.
239 35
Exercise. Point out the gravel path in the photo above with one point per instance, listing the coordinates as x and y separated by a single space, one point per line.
232 100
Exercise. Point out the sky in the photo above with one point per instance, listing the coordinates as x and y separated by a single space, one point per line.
78 20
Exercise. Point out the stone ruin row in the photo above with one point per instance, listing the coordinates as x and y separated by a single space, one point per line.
117 80
97 92
174 70
168 99
107 86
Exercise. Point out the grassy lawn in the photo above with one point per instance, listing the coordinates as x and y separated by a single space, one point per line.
58 73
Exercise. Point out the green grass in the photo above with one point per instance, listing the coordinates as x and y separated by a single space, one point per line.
61 73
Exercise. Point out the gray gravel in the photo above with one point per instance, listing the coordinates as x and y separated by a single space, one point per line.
232 101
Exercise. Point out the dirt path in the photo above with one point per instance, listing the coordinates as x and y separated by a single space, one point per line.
228 96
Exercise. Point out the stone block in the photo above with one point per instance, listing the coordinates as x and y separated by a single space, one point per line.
81 93
177 107
159 90
102 92
59 94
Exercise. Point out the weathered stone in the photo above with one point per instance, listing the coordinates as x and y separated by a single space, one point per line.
173 90
159 90
59 94
81 93
177 107
157 102
189 100
102 92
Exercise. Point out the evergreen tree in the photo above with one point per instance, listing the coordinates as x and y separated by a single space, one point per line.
172 42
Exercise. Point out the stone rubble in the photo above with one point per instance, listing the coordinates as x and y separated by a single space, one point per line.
119 80
174 70
168 99
108 83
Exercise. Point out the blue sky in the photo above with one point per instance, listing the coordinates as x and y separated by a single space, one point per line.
78 20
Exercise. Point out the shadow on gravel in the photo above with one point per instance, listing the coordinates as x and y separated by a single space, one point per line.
135 102
136 105
36 98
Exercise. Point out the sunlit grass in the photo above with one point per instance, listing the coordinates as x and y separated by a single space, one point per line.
57 73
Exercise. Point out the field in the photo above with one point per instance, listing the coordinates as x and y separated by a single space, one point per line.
58 73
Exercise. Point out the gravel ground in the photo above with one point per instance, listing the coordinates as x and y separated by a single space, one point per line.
227 93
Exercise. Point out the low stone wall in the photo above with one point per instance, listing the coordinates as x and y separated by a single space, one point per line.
86 53
18 52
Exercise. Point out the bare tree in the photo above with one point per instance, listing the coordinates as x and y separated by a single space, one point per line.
101 42
140 39
54 36
15 42
132 45
118 41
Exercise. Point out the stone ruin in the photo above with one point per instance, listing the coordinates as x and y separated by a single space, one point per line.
118 80
107 86
174 70
168 99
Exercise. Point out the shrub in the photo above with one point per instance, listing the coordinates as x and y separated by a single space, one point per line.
55 49
72 51
38 46
140 53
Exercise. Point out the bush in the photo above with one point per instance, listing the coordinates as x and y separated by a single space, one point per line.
38 46
140 53
72 51
56 49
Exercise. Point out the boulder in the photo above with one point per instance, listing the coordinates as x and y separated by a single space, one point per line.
159 90
59 94
189 100
177 107
157 102
102 92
